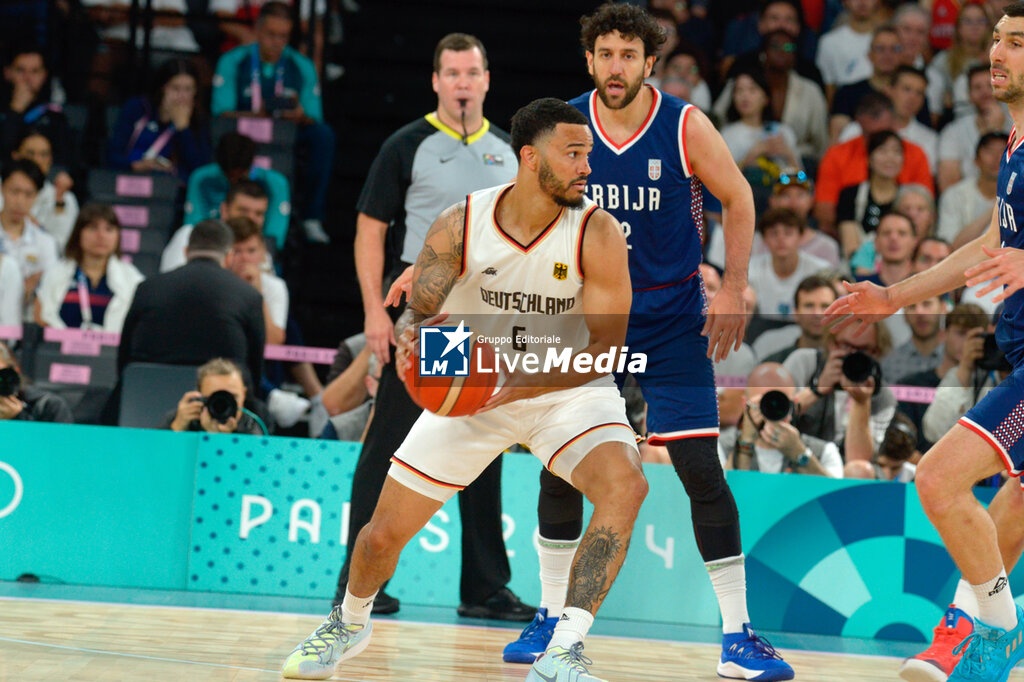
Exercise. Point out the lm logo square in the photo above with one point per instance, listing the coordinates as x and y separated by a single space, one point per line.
444 351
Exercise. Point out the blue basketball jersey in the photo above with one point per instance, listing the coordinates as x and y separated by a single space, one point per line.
1010 204
647 184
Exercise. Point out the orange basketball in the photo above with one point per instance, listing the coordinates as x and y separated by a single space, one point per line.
455 396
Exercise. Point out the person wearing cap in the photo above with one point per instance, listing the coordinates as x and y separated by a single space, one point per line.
198 311
795 190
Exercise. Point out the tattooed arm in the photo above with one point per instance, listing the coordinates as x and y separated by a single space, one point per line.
437 267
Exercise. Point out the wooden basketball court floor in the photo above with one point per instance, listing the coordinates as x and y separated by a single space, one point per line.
64 639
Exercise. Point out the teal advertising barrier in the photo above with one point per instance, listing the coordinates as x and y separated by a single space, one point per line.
266 516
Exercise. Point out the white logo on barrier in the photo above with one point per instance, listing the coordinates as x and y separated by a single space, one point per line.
18 489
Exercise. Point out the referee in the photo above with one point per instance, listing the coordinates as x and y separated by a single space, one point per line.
422 169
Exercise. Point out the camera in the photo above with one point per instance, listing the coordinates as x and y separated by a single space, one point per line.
775 406
221 405
858 367
10 382
993 359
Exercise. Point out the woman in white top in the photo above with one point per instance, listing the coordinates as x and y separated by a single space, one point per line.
751 135
947 73
91 288
56 207
12 292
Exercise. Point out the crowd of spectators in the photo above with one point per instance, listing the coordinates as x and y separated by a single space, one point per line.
866 128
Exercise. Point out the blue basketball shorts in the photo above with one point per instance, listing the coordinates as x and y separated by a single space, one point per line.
999 419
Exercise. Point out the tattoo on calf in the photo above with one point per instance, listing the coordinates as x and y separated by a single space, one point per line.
589 584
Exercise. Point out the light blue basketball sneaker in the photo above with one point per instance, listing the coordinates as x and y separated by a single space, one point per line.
746 656
562 665
328 645
533 640
989 654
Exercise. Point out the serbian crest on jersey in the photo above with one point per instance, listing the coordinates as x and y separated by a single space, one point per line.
654 168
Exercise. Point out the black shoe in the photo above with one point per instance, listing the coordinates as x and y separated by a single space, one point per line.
385 604
502 605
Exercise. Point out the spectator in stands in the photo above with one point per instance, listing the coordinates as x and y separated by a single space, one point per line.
193 412
947 82
826 393
778 272
166 130
208 187
958 142
199 311
56 206
32 101
907 93
930 251
925 349
966 207
12 292
754 138
895 245
961 387
776 446
29 403
917 202
236 19
884 55
21 237
91 288
795 100
691 23
170 33
795 190
862 206
245 199
269 78
348 397
813 295
846 163
913 24
773 15
959 323
843 51
247 258
683 77
667 23
892 462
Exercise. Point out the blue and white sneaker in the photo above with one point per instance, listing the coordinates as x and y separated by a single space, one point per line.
533 640
745 656
329 645
562 665
989 654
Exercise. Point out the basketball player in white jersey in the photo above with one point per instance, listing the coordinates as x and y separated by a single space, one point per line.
507 241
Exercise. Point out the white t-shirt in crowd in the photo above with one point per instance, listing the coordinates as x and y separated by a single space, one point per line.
177 38
12 292
958 141
843 56
35 250
275 293
740 137
44 210
775 295
961 204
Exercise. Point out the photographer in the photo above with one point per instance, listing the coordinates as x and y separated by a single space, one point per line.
835 381
982 366
893 461
767 441
216 407
27 403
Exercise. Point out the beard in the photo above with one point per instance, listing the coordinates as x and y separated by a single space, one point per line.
1013 93
550 185
631 91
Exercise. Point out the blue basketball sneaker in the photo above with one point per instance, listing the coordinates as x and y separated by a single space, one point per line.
533 640
989 654
746 656
562 665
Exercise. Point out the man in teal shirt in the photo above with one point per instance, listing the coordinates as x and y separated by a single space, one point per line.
269 78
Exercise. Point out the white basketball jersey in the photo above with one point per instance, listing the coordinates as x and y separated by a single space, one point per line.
521 296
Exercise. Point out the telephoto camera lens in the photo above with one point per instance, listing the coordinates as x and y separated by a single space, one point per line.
10 382
222 406
858 367
775 406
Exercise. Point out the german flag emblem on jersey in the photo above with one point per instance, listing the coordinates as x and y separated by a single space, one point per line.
561 271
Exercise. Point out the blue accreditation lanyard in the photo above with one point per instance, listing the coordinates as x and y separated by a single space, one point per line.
257 88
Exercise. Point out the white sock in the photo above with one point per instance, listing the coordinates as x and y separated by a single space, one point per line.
573 626
356 610
995 602
965 600
555 561
729 580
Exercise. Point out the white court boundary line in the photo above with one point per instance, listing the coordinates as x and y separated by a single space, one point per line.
292 614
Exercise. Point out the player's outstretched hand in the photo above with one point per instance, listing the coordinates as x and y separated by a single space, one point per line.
726 323
1004 268
866 304
402 285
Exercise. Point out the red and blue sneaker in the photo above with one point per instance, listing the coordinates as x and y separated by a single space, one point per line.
936 663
